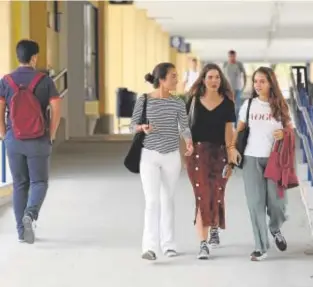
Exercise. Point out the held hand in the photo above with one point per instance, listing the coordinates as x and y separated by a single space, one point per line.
235 157
278 135
2 132
147 128
228 171
189 147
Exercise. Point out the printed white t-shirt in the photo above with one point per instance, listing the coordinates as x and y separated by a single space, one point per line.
190 77
262 126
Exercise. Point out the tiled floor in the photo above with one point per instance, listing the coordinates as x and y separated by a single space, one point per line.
89 234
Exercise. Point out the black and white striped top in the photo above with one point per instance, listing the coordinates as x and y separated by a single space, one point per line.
169 120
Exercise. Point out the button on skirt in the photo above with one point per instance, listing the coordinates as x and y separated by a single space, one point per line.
205 168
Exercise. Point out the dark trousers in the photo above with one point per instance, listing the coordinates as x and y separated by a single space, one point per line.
29 164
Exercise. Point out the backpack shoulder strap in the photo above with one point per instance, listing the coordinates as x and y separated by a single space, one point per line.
11 83
35 81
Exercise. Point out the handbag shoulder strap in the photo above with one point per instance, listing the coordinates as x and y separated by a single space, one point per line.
248 111
191 116
144 109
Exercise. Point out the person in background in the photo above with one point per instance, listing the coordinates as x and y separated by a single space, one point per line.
27 93
235 71
191 75
189 78
211 112
268 116
160 164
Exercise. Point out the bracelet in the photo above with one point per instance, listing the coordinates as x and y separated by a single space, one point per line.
230 147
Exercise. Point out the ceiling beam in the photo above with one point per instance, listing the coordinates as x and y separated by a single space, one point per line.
257 60
273 26
238 32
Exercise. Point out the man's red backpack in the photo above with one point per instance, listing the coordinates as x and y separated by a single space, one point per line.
25 110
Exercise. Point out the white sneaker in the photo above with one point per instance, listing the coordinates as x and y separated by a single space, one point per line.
29 229
171 253
204 252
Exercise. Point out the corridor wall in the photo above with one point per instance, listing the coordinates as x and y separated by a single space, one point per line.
133 45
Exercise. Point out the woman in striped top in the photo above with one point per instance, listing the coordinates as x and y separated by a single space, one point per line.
160 164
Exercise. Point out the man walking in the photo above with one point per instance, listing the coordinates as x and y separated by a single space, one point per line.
235 71
191 75
28 132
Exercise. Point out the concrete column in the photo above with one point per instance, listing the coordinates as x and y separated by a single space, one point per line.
129 69
181 66
166 47
77 123
6 54
151 46
63 64
113 65
38 32
141 34
158 44
53 38
173 55
101 46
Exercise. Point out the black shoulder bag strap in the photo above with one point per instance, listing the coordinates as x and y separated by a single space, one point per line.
144 110
191 114
248 111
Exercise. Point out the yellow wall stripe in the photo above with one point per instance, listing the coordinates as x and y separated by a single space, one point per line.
16 16
38 29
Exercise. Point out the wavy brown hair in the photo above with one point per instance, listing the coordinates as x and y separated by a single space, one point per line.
198 88
278 104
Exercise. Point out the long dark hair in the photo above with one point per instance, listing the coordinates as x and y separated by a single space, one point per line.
198 88
276 99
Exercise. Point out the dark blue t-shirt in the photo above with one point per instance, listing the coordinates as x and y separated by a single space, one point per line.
45 90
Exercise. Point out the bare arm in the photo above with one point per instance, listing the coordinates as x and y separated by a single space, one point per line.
55 106
240 127
229 134
135 126
183 123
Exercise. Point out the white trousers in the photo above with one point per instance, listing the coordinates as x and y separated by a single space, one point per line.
159 175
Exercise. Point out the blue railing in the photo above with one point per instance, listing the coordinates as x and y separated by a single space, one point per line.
303 116
6 177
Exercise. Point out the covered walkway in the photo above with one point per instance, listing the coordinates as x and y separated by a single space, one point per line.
90 230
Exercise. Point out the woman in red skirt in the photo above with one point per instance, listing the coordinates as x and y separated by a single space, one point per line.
211 112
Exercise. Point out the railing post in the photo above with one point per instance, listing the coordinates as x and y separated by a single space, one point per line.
4 163
65 81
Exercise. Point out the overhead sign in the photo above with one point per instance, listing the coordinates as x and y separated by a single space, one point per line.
179 43
185 48
176 41
121 2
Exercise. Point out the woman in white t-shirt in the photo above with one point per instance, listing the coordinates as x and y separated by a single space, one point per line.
268 116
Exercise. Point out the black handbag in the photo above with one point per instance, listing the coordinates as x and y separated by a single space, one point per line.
242 137
132 159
